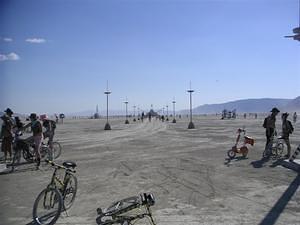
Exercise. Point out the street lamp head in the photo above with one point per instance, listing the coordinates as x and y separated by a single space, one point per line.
190 91
107 92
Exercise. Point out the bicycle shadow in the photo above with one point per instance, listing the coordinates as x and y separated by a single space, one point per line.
278 208
236 159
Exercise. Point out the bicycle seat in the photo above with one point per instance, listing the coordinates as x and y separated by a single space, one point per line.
69 164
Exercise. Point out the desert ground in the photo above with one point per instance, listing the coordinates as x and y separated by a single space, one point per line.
187 171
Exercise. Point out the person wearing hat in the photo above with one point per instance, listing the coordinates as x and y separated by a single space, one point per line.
37 131
7 133
50 127
287 129
269 125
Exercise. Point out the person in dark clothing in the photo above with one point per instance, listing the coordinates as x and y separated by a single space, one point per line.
7 133
287 129
269 125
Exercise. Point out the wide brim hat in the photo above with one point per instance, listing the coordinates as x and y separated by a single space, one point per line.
275 110
8 110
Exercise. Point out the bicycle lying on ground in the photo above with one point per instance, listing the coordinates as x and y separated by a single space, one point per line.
275 147
58 196
127 211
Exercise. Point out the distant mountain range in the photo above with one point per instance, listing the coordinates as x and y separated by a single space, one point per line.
250 106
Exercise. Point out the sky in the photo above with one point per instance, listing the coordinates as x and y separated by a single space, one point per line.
56 56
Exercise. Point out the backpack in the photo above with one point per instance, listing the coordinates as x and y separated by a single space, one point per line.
53 123
265 122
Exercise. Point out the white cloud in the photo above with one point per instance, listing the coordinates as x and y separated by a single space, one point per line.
7 39
35 40
9 57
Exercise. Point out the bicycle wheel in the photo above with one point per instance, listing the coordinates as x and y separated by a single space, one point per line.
279 149
70 192
231 154
56 149
47 207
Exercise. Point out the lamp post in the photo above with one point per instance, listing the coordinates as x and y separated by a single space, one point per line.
126 121
107 92
174 120
191 125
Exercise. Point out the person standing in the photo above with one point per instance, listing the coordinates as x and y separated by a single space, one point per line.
269 125
37 132
7 133
50 126
287 129
295 117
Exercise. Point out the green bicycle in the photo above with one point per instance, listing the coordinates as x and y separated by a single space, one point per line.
127 211
58 196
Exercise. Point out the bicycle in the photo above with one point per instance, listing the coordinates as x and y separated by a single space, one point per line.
121 212
46 151
57 197
275 147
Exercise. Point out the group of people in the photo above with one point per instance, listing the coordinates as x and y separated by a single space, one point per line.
287 128
10 126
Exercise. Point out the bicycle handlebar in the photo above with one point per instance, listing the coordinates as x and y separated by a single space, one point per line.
59 166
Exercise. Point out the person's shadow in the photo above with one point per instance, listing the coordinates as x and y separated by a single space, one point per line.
260 163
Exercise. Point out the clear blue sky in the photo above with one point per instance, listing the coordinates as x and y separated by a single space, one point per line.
55 56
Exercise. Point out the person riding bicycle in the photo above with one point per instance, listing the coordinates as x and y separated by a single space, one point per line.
37 131
287 129
7 133
50 126
269 125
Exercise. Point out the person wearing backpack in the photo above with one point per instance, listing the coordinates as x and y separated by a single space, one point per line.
269 125
287 129
50 126
7 134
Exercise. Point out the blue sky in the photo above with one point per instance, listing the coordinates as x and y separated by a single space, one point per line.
56 56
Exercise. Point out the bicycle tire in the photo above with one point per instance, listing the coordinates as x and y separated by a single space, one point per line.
48 199
231 154
70 192
56 149
279 149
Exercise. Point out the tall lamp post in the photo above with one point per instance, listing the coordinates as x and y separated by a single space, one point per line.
126 121
174 120
107 92
191 125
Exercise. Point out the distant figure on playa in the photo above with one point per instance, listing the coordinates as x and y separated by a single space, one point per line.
50 126
7 133
295 117
269 125
149 117
245 115
143 115
287 129
255 115
37 132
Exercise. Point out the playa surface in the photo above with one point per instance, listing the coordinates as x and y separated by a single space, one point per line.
186 170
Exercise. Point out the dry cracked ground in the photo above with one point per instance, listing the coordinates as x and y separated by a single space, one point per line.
186 170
